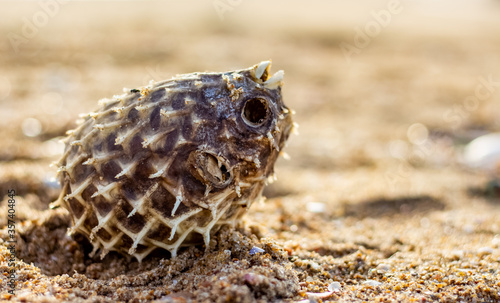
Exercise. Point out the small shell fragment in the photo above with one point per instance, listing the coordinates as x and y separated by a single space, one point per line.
484 153
256 250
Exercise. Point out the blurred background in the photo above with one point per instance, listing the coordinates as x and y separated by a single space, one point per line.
386 93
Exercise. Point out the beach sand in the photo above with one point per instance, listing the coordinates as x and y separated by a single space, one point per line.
374 205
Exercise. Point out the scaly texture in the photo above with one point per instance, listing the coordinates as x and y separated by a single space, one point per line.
166 165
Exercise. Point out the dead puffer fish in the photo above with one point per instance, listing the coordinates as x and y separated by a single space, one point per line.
165 165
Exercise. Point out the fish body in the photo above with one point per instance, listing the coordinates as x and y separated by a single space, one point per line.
165 165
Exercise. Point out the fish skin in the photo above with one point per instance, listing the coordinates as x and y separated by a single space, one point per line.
167 164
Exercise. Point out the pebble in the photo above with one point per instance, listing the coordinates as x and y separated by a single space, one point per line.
315 266
483 152
383 267
483 251
372 283
496 241
334 286
256 250
316 207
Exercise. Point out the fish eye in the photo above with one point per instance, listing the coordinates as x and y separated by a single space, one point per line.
255 111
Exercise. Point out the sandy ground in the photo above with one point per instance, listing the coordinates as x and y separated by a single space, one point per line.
374 204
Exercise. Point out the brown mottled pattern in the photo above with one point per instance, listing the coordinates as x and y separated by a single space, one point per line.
167 164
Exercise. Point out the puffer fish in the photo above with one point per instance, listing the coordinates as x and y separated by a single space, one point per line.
167 164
